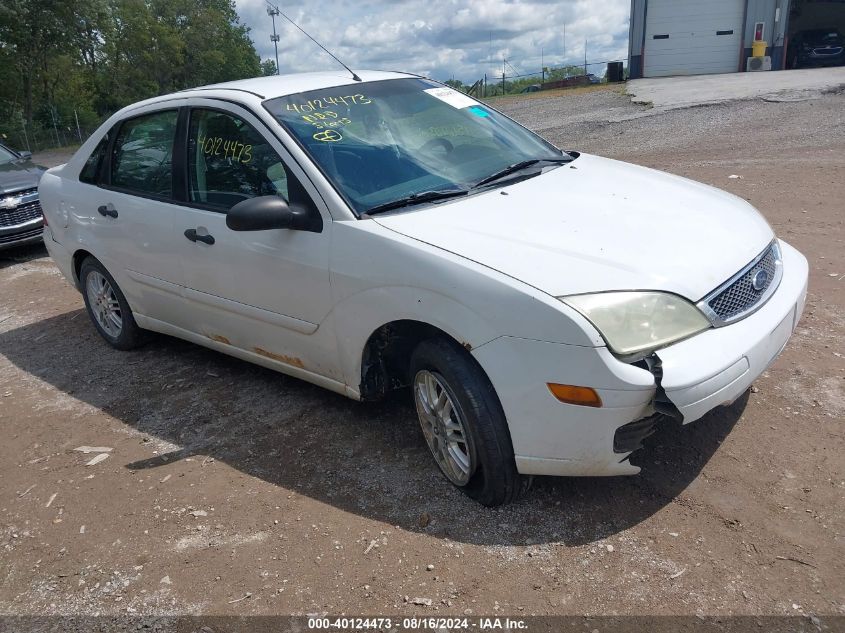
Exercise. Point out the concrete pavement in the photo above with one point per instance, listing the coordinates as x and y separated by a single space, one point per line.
787 85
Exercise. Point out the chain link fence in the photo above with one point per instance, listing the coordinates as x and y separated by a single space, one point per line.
38 136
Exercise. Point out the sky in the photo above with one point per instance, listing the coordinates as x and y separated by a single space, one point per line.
443 39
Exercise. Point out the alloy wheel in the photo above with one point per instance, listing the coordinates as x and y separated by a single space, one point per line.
104 303
443 427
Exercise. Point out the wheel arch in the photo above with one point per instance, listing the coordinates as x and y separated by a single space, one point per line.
79 256
386 357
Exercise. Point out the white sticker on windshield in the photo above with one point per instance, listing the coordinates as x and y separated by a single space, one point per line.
452 97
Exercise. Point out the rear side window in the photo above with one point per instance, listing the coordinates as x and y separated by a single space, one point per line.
91 171
142 160
229 161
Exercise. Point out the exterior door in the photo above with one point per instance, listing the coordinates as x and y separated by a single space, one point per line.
129 201
266 292
690 37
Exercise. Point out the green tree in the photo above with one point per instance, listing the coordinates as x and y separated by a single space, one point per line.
31 34
86 58
268 68
563 72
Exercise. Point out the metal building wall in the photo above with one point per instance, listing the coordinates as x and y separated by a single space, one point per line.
766 11
756 11
636 32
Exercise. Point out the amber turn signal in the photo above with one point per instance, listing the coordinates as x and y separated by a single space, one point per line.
570 394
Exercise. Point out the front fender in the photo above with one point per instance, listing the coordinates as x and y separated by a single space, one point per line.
357 317
380 276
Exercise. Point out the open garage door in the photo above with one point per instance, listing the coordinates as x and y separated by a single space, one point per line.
690 37
816 34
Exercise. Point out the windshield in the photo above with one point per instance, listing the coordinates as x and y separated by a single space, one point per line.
384 141
6 155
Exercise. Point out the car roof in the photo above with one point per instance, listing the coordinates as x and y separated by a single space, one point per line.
261 88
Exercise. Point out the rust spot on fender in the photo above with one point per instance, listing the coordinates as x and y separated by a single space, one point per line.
219 338
282 358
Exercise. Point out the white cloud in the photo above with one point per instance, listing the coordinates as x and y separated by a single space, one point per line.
444 38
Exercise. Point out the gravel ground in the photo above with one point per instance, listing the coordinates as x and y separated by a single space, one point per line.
605 122
234 490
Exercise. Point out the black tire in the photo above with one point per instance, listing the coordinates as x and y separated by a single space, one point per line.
493 479
130 335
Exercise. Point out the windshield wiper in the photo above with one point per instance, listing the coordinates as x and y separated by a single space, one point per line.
512 169
417 198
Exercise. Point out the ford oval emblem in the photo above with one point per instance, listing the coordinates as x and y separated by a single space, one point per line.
760 280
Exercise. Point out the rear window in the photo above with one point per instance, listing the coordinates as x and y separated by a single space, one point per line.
142 160
91 171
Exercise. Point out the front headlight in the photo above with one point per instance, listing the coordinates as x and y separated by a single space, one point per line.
637 322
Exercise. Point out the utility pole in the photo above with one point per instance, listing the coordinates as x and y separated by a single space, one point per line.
273 12
504 61
564 43
55 125
25 137
542 67
78 130
585 57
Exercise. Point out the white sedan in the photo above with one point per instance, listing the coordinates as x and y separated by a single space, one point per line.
548 309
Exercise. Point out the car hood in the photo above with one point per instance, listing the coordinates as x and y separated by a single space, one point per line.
596 225
17 175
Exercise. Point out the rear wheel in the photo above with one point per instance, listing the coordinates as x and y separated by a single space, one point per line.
107 307
463 423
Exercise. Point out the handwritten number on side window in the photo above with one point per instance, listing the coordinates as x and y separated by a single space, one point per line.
225 148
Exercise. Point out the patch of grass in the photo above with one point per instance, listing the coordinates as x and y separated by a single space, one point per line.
560 92
65 149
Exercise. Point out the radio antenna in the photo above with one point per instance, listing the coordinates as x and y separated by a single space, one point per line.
352 72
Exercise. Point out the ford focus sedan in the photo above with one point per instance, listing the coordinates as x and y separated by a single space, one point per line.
546 309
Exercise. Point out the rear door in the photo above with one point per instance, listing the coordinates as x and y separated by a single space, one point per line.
265 292
129 206
690 37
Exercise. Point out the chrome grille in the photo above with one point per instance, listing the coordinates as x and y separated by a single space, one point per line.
747 290
21 193
21 214
15 237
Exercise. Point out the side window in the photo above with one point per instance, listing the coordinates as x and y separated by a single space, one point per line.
142 159
91 171
229 161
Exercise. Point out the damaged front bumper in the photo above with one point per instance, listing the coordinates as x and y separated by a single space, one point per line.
717 366
683 381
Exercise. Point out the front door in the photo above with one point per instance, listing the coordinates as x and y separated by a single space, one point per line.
265 292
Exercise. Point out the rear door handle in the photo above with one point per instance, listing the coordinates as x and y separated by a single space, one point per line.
191 234
107 210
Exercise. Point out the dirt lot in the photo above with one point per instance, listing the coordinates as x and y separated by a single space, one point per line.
234 490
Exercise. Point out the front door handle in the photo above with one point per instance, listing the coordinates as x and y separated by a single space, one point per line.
107 210
191 234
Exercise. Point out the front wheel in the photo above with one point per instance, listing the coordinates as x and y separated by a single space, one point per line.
463 423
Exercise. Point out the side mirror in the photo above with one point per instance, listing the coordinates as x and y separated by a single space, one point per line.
270 212
25 155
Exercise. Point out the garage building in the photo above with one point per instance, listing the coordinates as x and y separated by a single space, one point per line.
691 37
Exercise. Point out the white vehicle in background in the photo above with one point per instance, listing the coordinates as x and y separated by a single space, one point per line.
548 309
